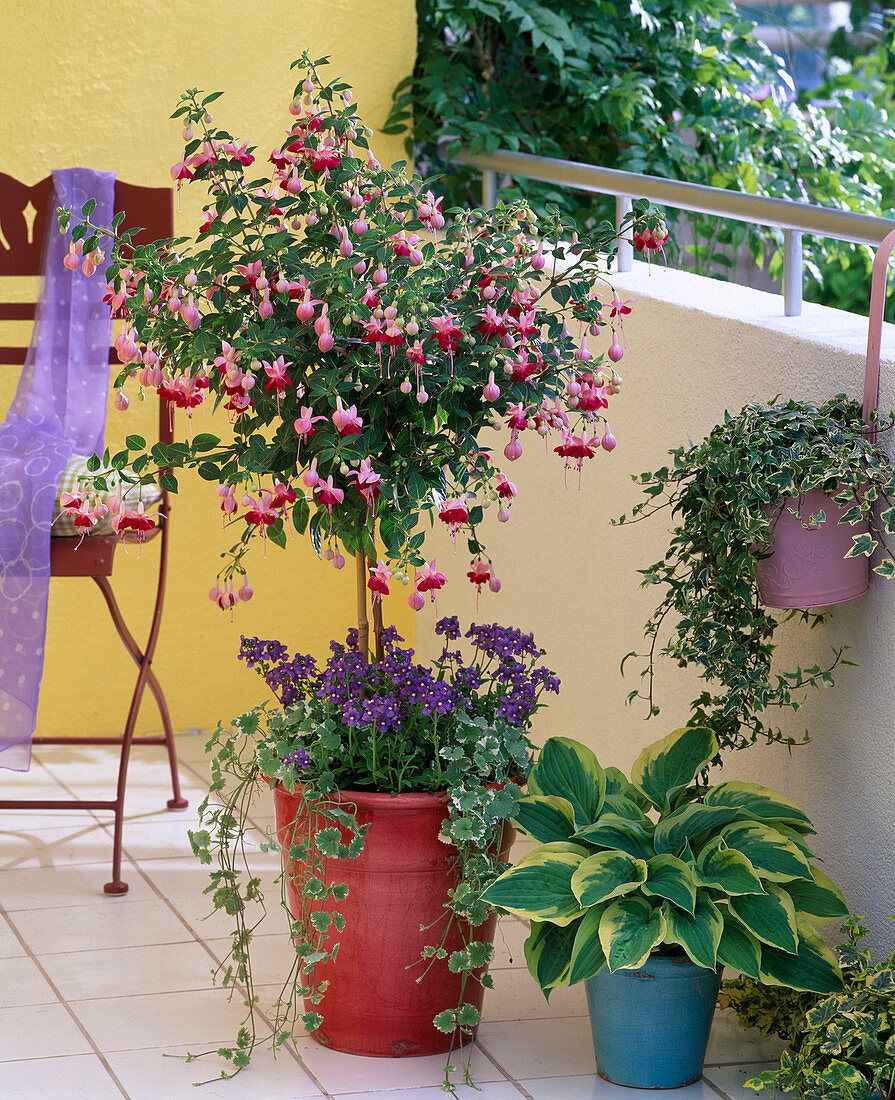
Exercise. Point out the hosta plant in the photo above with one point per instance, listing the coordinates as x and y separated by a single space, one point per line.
664 863
845 1049
723 495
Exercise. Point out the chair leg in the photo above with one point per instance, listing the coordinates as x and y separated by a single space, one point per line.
177 802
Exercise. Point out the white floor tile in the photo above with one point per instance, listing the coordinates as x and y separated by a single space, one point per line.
33 1031
83 1077
63 845
22 983
130 971
730 1079
200 1018
272 956
517 996
153 1074
110 923
66 885
595 1088
537 1048
340 1073
729 1042
489 1090
10 947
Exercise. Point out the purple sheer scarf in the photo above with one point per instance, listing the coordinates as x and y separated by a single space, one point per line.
59 410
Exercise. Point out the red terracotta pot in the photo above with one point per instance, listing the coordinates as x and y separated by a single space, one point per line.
808 567
397 889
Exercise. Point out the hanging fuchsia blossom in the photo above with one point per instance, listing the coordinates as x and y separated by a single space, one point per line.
383 338
380 575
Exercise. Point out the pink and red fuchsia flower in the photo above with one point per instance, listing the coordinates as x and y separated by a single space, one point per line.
386 340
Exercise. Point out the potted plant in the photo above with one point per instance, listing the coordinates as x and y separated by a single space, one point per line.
380 769
360 345
667 878
843 1045
809 469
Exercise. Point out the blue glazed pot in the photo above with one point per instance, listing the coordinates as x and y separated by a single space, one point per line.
651 1025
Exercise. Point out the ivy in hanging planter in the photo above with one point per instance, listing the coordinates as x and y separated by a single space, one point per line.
726 495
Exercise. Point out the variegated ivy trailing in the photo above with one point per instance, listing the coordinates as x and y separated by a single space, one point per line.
718 491
666 864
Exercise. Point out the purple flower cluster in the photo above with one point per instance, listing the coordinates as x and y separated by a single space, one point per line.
395 694
299 759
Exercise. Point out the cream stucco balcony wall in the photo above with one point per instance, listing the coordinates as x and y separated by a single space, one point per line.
696 348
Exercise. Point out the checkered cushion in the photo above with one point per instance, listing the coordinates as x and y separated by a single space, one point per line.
69 483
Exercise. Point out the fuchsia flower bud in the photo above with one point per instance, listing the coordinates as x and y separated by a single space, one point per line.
513 450
380 275
360 267
608 441
245 592
616 351
417 601
538 261
491 390
338 562
121 401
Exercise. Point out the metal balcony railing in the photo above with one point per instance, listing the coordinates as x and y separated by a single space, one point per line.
794 218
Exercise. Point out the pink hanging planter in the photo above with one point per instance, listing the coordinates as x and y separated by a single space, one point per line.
808 566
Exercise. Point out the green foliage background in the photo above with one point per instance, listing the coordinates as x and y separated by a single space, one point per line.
674 88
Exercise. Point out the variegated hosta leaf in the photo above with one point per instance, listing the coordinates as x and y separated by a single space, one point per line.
606 875
738 950
688 823
629 929
547 951
618 784
760 802
587 952
668 766
614 831
545 817
770 917
773 855
820 901
671 878
725 869
625 807
539 886
568 769
813 968
699 934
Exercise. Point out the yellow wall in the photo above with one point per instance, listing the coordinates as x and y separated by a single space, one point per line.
92 82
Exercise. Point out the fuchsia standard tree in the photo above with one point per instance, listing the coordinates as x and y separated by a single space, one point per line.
359 343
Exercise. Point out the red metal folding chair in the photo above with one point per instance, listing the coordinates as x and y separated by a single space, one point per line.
23 220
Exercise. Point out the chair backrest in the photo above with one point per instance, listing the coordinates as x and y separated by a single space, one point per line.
23 224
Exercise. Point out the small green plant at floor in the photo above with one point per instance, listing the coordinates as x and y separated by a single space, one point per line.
725 494
846 1047
774 1010
665 863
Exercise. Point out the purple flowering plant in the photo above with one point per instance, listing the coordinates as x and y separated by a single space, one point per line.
393 724
459 724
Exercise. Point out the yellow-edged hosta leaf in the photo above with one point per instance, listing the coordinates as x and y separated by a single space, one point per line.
606 875
690 822
820 901
726 869
669 877
567 769
547 951
545 817
812 968
699 934
618 784
539 886
615 831
770 917
666 767
760 802
772 855
629 929
587 952
738 950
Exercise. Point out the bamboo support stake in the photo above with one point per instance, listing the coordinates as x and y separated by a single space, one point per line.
363 626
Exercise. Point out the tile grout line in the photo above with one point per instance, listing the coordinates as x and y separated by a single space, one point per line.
75 1019
497 1065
